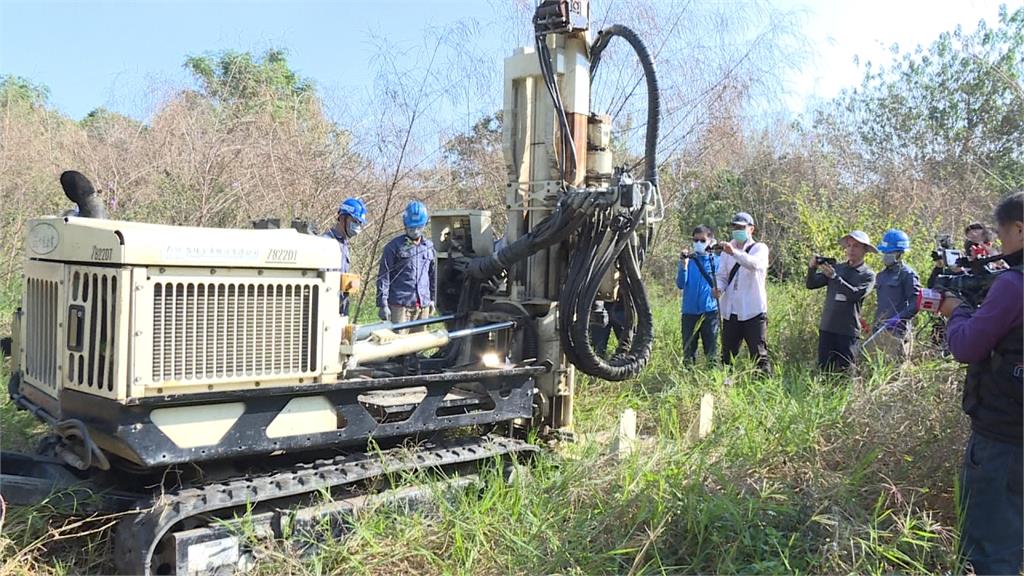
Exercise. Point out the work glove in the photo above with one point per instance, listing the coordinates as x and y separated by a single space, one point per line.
893 323
384 314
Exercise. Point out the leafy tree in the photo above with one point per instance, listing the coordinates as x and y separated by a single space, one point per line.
950 118
464 153
237 79
101 120
476 166
18 91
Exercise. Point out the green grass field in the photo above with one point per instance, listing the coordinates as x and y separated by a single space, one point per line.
801 474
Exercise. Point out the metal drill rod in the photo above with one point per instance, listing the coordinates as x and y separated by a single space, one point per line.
481 329
390 383
424 321
363 332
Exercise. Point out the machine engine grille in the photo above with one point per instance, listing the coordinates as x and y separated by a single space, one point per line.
41 304
215 330
92 317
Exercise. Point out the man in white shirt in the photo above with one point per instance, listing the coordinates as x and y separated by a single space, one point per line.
743 299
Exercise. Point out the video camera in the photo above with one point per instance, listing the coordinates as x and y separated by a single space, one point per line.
944 252
819 260
971 286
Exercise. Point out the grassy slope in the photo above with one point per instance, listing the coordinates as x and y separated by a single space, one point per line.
801 474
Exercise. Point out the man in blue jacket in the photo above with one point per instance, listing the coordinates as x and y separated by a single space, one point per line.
407 278
896 286
694 277
350 222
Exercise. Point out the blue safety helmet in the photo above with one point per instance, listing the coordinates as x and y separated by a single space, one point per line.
353 207
415 215
894 241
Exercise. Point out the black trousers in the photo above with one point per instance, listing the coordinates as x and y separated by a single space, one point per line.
753 331
835 351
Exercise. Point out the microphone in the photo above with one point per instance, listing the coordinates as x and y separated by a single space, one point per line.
80 190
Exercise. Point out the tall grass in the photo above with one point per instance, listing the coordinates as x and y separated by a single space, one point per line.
801 474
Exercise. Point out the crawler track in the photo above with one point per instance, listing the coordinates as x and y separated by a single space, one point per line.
137 536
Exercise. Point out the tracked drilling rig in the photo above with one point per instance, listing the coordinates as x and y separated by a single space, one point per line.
195 374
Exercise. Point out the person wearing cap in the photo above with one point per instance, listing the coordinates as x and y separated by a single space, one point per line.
848 284
351 218
897 286
407 276
742 295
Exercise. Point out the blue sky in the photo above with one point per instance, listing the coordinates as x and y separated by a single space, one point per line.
123 55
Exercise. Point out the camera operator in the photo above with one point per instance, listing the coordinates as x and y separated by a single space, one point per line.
978 240
990 340
848 284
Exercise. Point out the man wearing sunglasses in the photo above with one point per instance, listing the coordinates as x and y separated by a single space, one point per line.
978 243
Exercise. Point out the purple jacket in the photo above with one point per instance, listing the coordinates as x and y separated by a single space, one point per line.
973 336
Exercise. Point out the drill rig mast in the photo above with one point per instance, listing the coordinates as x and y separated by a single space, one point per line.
585 225
214 365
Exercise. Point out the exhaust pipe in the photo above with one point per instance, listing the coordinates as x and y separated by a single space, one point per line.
79 190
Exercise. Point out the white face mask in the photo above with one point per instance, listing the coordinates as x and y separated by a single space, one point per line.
353 228
890 259
700 247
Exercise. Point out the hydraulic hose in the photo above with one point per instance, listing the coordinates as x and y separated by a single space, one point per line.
587 269
589 265
653 95
602 241
555 228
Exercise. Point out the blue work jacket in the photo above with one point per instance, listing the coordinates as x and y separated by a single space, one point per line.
697 296
346 261
345 265
897 288
408 274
